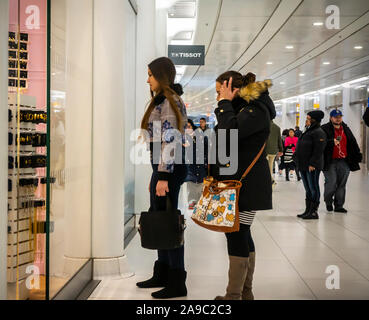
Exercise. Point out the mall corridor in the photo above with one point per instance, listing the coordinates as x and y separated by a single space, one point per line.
292 255
102 103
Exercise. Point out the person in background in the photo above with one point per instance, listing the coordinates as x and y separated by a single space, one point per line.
290 144
281 166
196 172
342 155
203 125
274 147
298 132
366 116
309 157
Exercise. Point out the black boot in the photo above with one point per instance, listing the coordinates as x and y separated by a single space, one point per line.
307 209
313 214
287 175
159 278
176 286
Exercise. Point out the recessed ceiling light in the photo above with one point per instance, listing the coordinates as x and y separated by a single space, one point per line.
334 93
302 74
269 62
289 47
326 63
206 99
358 47
317 24
282 83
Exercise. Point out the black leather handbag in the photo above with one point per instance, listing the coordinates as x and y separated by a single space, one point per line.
162 230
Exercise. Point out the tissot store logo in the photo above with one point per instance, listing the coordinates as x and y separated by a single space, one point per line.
187 55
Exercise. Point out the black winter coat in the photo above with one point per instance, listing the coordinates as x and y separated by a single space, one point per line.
252 119
366 117
310 148
354 156
197 172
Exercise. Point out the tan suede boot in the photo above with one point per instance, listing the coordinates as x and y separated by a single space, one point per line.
247 288
236 278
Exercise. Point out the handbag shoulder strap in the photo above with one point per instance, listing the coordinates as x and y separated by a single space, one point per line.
253 163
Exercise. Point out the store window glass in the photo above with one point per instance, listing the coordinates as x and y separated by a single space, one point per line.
27 83
70 139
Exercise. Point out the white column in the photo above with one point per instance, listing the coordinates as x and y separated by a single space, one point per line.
78 126
284 116
323 106
352 115
108 140
146 52
4 27
161 32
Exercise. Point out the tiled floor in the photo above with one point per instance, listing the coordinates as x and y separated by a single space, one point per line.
292 255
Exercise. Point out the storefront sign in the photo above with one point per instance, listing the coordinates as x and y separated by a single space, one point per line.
187 55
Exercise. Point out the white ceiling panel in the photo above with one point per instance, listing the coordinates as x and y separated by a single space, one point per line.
249 34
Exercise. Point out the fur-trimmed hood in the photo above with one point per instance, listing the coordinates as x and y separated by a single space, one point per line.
253 90
259 91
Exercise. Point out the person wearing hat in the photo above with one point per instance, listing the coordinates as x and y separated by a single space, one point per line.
310 161
341 155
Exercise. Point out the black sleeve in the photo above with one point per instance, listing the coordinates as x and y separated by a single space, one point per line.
366 117
247 122
356 152
319 143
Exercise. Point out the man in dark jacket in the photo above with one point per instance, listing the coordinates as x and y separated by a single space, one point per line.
274 147
310 161
341 155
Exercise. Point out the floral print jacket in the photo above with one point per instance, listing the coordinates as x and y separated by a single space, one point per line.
163 128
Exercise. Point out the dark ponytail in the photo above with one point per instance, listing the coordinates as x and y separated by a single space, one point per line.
239 81
247 79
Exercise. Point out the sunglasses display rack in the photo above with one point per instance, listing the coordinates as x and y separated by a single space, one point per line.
26 191
18 61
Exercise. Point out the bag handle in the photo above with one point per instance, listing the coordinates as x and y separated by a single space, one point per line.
253 163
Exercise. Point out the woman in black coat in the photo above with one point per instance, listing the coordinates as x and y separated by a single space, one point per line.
309 157
245 105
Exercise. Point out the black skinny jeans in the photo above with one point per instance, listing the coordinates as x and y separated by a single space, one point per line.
240 243
173 258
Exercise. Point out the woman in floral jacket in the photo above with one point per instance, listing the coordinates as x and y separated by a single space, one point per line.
164 119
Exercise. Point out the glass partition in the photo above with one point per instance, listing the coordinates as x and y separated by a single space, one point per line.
70 139
27 48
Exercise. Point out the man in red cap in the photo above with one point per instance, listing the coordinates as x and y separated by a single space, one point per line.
341 155
310 160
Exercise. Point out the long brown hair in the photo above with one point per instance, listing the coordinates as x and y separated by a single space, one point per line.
164 72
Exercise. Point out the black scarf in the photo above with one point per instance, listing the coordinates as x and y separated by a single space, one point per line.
177 88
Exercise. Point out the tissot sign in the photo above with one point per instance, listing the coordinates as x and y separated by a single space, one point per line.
187 55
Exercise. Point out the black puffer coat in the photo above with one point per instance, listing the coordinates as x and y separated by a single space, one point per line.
310 148
366 116
197 171
354 156
252 119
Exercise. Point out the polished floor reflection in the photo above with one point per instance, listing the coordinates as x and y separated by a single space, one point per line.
292 255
